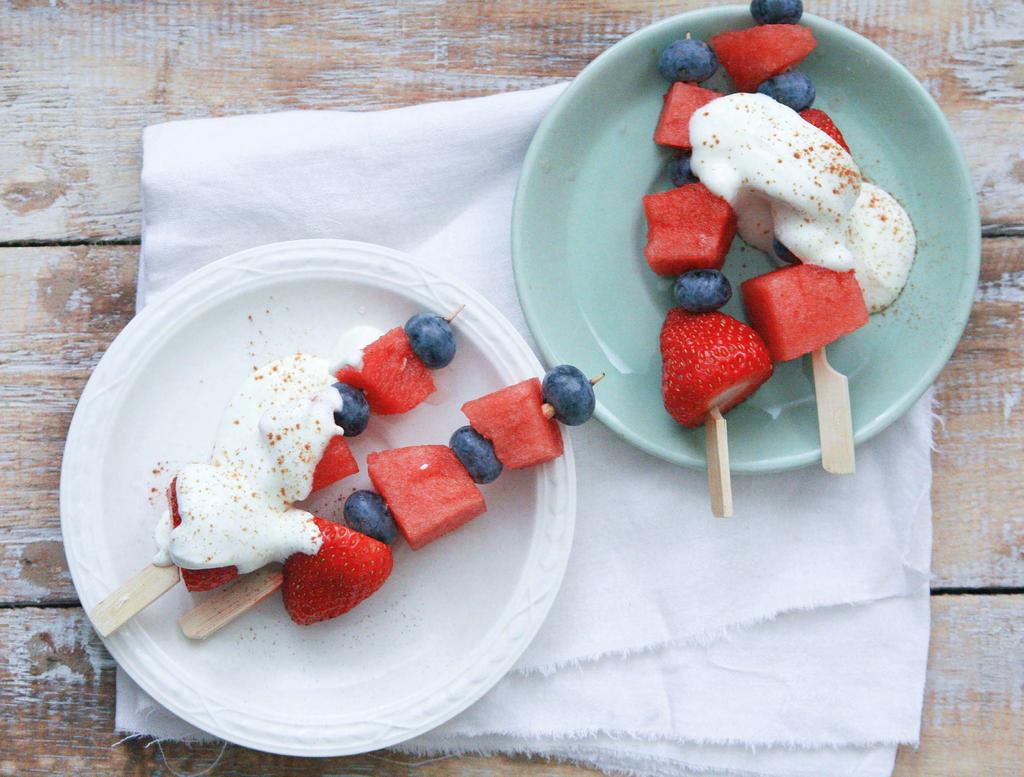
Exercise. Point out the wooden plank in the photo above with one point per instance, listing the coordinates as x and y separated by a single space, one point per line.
972 722
62 308
978 488
65 304
57 691
80 80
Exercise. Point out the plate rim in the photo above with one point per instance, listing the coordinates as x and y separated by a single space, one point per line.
968 286
486 662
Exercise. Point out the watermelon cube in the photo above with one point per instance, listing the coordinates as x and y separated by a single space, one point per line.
802 308
336 463
681 101
755 54
688 228
513 420
824 122
198 579
392 377
427 490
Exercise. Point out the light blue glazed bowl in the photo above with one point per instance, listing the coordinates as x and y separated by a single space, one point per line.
578 233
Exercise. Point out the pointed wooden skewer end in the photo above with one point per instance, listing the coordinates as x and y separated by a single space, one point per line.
451 316
230 602
132 597
835 422
719 478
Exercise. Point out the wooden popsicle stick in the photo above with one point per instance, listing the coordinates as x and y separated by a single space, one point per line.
132 597
835 423
716 436
549 411
231 601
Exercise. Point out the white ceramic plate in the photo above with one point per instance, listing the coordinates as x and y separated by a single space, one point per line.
453 617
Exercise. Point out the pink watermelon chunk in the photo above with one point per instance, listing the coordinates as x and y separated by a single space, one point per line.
688 228
799 309
681 101
393 378
757 53
427 490
512 419
336 463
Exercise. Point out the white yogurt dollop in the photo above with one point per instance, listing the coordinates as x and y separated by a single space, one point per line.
787 179
348 351
765 160
237 510
881 236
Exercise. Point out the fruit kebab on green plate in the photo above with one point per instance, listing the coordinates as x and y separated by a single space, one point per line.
763 163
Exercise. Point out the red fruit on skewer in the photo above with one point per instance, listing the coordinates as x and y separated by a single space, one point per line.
348 568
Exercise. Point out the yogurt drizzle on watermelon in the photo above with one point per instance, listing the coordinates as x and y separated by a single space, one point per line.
237 510
350 346
787 179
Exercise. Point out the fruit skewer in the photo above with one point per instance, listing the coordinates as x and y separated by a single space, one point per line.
423 491
799 310
689 229
689 233
405 354
711 362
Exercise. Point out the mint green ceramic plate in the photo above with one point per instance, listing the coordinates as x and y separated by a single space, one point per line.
578 233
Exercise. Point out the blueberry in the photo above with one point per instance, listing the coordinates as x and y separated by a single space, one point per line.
690 59
783 254
792 89
679 171
701 291
476 454
777 11
432 339
569 392
367 513
355 412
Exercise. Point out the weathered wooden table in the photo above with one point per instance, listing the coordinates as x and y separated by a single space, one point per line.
79 80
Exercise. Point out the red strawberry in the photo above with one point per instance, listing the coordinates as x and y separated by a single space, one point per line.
348 568
198 579
824 122
709 360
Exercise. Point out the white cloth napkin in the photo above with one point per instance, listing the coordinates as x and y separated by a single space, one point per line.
788 641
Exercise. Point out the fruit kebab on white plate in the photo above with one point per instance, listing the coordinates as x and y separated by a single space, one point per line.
764 163
422 492
282 437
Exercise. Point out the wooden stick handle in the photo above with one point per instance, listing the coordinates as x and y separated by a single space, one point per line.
549 411
835 422
132 597
231 601
719 478
451 316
